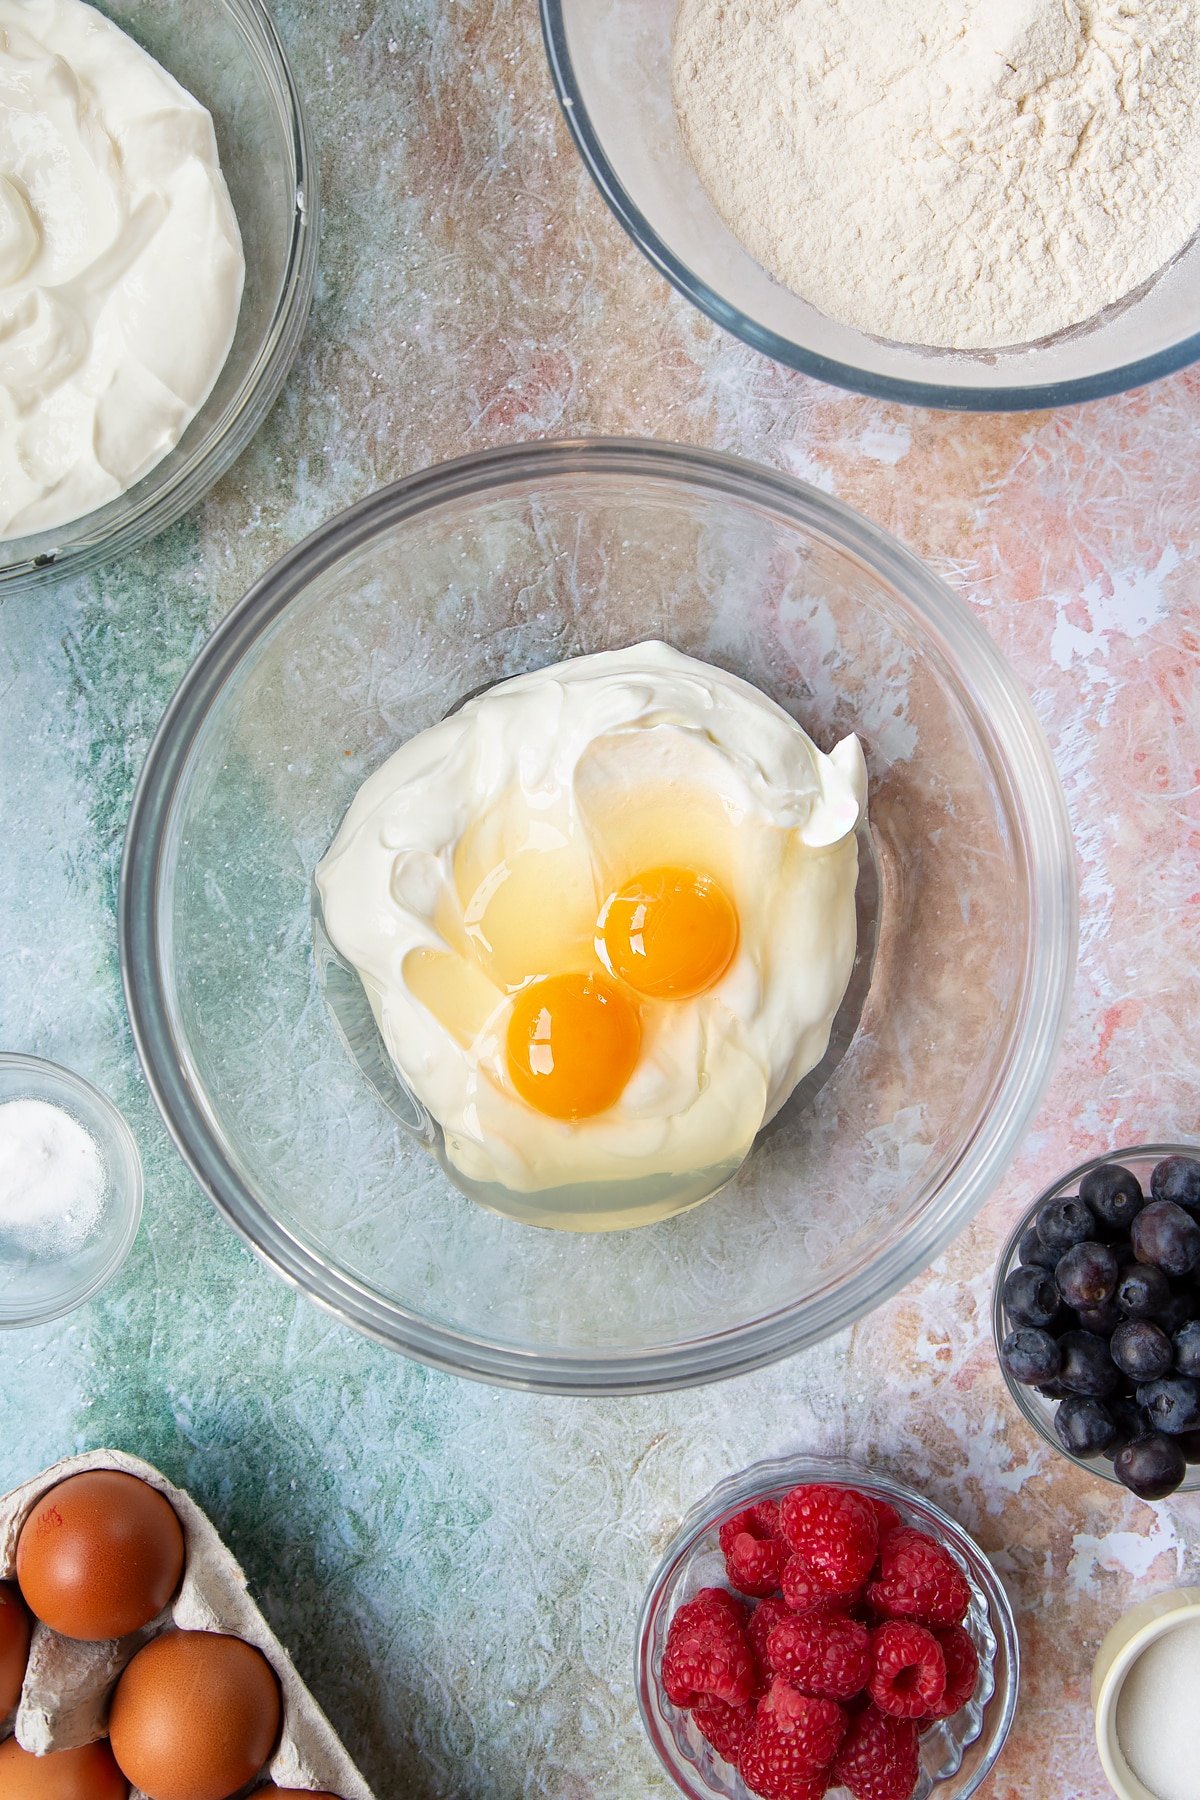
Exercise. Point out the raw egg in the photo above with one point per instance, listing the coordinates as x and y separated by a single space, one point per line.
86 1774
573 1043
195 1716
670 933
100 1555
14 1646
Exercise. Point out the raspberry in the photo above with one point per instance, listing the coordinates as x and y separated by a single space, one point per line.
726 1727
708 1652
754 1551
825 1653
962 1671
835 1531
920 1580
793 1740
879 1758
806 1592
886 1517
763 1621
910 1670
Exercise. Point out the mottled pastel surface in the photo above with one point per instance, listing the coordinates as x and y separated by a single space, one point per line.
457 1570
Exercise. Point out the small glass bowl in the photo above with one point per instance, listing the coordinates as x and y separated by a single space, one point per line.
228 55
40 1289
956 1754
1036 1409
610 61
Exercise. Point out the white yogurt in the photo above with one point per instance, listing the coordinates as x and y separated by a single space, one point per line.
121 266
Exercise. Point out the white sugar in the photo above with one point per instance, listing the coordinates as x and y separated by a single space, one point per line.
1156 1714
52 1180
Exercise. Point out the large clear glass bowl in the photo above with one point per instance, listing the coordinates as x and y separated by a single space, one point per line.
1035 1408
957 1755
611 64
371 631
226 53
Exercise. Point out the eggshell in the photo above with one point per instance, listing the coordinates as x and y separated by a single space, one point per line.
99 1556
86 1774
195 1716
15 1631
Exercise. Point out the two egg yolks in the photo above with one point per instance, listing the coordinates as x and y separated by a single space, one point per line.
574 1039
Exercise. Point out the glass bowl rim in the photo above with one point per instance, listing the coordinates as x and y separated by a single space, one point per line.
946 396
1021 763
210 459
735 1491
1020 1398
130 1186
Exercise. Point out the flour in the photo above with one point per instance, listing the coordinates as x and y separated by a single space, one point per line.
962 173
52 1180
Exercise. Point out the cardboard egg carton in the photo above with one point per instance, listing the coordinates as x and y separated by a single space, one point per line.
65 1698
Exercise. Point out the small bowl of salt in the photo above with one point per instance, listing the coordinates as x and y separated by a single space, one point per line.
1144 1686
70 1191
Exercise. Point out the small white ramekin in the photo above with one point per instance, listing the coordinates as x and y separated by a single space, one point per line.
1129 1637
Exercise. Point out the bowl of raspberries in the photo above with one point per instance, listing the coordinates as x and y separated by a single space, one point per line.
1097 1317
817 1629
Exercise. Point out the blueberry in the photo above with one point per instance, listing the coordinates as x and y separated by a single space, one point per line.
1165 1235
1173 1404
1086 1275
1051 1390
1151 1467
1129 1421
1189 1443
1087 1368
1030 1356
1187 1348
1083 1426
1061 1223
1114 1195
1033 1252
1141 1351
1177 1178
1103 1320
1142 1290
1030 1297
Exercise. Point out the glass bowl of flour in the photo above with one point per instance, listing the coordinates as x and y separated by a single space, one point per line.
1009 221
228 58
70 1191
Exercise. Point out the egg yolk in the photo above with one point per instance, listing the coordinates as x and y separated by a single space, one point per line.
573 1043
670 933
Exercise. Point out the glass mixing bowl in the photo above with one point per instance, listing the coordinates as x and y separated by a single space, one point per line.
956 1755
226 53
1035 1408
611 64
373 630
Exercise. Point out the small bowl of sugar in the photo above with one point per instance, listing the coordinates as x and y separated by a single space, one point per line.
1144 1686
70 1191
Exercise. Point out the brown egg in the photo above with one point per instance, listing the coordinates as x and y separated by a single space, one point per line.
278 1793
195 1716
14 1646
87 1774
100 1555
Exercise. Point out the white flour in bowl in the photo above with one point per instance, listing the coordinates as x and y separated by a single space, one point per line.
962 173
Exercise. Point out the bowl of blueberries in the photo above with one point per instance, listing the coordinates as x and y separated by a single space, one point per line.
1096 1313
